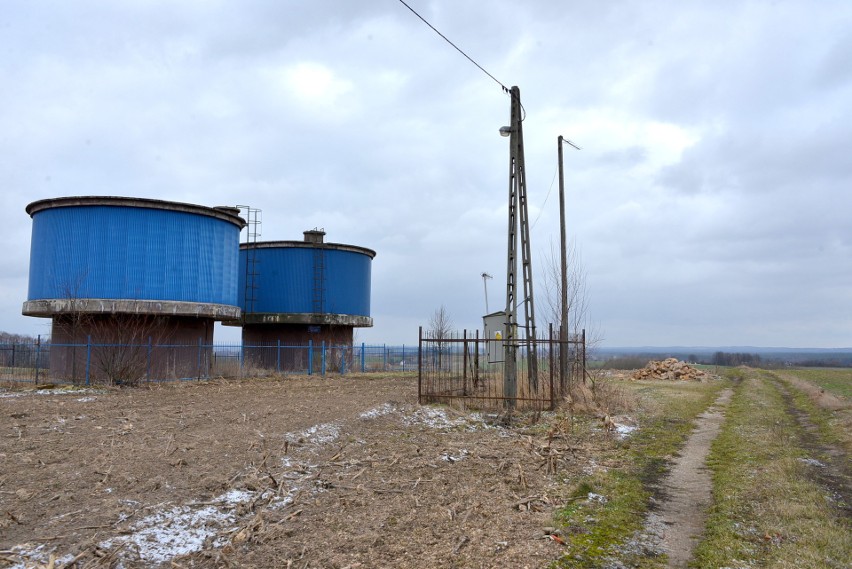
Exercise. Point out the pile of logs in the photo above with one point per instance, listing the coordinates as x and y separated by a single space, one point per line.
669 369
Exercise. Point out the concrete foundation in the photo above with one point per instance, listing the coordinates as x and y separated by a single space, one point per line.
285 347
129 348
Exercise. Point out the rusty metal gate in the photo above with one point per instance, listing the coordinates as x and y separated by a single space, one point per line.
463 367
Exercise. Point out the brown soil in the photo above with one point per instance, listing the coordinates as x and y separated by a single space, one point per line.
344 472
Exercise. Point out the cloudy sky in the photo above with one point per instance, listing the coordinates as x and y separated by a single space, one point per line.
710 202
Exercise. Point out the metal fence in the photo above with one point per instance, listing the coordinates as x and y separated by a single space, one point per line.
492 373
39 361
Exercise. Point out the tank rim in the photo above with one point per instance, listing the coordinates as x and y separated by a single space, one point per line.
307 245
144 203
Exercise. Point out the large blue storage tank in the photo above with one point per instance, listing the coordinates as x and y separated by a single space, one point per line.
118 271
130 248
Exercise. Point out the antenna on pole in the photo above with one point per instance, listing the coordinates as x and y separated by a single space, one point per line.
485 277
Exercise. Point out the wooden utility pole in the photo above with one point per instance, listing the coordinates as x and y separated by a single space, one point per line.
563 329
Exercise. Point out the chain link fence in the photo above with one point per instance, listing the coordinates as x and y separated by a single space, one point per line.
40 362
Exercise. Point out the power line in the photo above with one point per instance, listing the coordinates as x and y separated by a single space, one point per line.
545 198
469 58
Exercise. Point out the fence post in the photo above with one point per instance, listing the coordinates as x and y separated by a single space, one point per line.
552 395
464 363
403 357
476 362
584 356
38 354
363 358
342 349
310 357
278 356
88 357
563 359
323 359
198 364
419 364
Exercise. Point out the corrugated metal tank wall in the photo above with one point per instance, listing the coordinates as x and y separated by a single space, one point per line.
141 253
285 279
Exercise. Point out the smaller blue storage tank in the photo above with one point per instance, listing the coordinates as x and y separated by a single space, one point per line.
296 292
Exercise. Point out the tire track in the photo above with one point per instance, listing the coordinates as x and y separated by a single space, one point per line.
828 465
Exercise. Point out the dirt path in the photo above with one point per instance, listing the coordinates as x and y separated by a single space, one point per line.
679 518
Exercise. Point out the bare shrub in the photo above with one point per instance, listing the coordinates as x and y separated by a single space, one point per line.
121 353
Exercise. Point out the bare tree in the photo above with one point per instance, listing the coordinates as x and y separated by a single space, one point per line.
578 299
579 319
440 324
440 329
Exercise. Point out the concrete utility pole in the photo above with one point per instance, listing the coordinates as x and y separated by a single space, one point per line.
563 329
518 216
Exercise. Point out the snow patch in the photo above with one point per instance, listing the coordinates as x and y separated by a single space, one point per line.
318 434
446 456
592 497
379 411
624 431
593 467
59 391
235 497
180 530
437 418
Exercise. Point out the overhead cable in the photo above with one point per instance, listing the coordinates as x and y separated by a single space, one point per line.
413 11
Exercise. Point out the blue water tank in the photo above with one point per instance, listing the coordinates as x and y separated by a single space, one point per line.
308 282
131 249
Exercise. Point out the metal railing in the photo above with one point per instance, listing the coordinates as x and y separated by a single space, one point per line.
464 367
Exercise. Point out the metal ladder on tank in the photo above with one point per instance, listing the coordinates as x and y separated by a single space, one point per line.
254 222
319 280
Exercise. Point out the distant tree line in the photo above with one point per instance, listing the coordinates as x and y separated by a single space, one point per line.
829 362
19 350
737 359
9 338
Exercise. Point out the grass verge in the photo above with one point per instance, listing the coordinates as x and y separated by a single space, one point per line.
837 381
609 506
767 511
833 425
